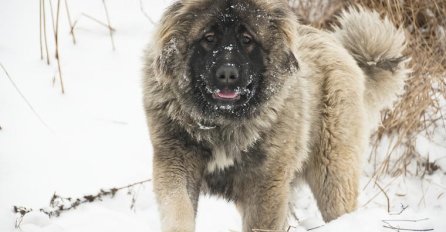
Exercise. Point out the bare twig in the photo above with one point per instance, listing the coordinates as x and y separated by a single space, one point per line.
56 40
405 220
93 19
377 194
70 22
44 31
403 207
40 29
22 211
390 226
267 230
141 7
406 229
315 228
24 98
385 194
109 25
59 204
52 15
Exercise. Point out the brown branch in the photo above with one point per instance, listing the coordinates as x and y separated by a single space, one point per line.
56 40
22 211
405 220
40 29
405 229
377 194
314 228
59 205
70 22
109 25
267 230
44 32
403 207
385 194
93 19
389 226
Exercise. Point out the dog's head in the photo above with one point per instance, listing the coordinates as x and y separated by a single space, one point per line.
226 58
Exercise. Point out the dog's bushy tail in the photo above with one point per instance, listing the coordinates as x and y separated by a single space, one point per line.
377 46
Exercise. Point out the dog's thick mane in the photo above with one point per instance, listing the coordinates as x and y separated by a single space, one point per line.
172 49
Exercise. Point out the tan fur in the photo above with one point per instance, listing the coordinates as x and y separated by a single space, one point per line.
314 124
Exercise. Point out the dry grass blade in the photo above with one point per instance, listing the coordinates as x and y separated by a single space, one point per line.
59 204
43 17
70 22
385 194
422 107
40 29
109 25
24 98
141 7
56 41
93 19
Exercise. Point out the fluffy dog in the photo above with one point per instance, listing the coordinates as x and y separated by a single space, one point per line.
242 101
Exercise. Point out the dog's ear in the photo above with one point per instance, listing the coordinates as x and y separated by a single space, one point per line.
170 42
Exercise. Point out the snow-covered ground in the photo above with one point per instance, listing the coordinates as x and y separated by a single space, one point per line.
96 135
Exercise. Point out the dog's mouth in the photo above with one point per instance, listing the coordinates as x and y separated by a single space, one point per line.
229 98
226 95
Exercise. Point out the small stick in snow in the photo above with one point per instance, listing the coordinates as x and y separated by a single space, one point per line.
377 194
95 20
70 22
56 40
315 228
22 211
405 220
403 207
40 29
390 226
385 194
141 7
405 229
266 230
24 98
43 16
92 19
109 25
59 204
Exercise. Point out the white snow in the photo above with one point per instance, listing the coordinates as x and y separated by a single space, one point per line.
97 136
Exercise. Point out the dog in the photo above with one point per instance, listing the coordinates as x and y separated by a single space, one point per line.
242 101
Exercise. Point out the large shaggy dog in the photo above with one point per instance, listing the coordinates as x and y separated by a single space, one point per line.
242 102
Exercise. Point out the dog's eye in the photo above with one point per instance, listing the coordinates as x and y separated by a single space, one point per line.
246 39
209 37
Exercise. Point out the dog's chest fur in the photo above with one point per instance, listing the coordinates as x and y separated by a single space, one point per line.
223 157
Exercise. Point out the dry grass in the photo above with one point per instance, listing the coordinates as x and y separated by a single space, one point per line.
421 109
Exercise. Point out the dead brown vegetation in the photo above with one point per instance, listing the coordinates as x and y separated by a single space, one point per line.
421 109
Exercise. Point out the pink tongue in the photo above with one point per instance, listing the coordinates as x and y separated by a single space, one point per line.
227 94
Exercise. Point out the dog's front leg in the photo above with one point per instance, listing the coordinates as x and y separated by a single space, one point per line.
264 205
177 180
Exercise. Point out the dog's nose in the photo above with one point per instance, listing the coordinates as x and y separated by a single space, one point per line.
227 74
